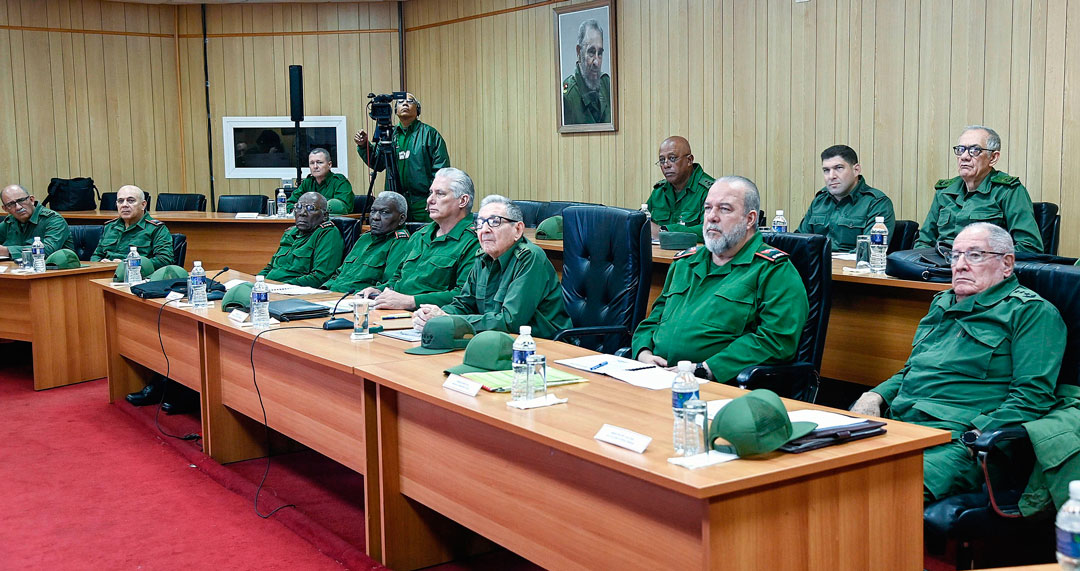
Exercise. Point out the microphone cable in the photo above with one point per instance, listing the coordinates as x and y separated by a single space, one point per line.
165 381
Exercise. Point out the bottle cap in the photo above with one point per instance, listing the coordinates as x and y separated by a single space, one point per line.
879 219
779 212
1074 490
198 263
134 249
259 278
686 367
644 206
525 330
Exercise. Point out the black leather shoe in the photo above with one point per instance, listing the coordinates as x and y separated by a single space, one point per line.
180 405
151 394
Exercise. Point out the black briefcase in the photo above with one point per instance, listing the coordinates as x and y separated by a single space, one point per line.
297 309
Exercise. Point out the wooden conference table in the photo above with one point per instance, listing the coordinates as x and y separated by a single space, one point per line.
58 313
536 482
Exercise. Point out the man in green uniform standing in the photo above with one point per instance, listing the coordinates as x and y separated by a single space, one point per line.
587 93
421 153
377 254
980 194
512 282
676 202
26 220
309 251
136 228
332 185
846 206
986 356
441 255
736 302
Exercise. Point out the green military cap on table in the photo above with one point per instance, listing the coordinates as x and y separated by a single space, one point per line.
170 272
443 334
550 229
63 259
238 297
336 207
755 423
488 351
677 240
121 270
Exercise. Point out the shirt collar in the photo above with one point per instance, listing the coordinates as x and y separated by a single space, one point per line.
987 298
742 258
455 233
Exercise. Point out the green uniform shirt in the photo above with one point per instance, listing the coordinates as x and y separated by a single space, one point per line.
581 106
335 185
518 288
999 199
749 311
149 236
421 153
669 206
306 259
986 362
43 223
845 219
436 267
372 260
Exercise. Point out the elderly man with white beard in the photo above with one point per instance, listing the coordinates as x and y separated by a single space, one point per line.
733 303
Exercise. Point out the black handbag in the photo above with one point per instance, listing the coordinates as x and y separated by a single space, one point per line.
921 265
66 194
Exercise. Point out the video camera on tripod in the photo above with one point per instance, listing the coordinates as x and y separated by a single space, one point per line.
380 107
384 151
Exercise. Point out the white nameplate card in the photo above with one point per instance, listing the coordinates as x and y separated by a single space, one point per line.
186 304
702 460
238 316
250 324
546 400
3 269
247 215
173 295
462 385
623 438
232 283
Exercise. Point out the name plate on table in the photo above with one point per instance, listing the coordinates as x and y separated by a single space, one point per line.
247 215
173 296
623 438
238 316
462 385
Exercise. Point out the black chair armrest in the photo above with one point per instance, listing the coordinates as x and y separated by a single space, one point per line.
591 331
793 380
987 440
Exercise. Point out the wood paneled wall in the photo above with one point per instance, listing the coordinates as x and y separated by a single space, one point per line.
760 88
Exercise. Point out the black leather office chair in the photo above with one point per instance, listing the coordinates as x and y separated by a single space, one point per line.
904 234
173 201
530 212
359 202
812 256
607 270
1048 218
242 203
86 238
414 227
349 228
179 247
556 207
108 202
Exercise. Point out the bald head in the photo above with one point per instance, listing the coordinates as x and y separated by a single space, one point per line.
18 202
676 161
130 203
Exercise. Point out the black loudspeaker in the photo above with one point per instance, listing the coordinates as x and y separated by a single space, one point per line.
296 92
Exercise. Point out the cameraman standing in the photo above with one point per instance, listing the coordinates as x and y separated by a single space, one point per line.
421 152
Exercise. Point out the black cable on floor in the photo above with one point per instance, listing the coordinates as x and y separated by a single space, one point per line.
165 381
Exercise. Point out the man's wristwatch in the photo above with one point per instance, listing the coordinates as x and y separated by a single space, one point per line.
700 371
969 437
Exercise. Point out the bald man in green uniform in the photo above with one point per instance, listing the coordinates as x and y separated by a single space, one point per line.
512 282
986 356
332 185
846 206
377 254
26 220
309 251
734 303
440 255
676 202
980 194
136 228
587 93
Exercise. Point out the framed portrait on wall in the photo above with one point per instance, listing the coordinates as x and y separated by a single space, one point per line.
585 59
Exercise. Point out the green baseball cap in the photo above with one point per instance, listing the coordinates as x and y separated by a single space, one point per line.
238 297
171 272
550 229
63 259
755 423
121 270
677 240
443 334
336 207
488 351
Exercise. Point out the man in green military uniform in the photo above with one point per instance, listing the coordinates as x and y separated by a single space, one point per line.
986 356
421 153
980 194
441 254
587 93
332 185
136 228
512 282
846 206
734 303
676 202
309 251
377 254
27 220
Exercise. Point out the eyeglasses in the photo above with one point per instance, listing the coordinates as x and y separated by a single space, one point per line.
973 256
972 150
304 208
493 222
669 159
18 201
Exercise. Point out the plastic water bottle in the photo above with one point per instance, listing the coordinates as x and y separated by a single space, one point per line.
197 286
1067 528
524 346
37 250
260 303
879 245
645 209
779 223
134 266
684 388
281 200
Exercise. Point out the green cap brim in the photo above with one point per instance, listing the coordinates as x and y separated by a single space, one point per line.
463 368
801 428
421 350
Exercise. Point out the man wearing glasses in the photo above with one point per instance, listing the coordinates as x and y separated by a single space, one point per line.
441 254
26 220
980 194
676 202
587 93
311 250
512 282
846 206
986 356
377 254
134 227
